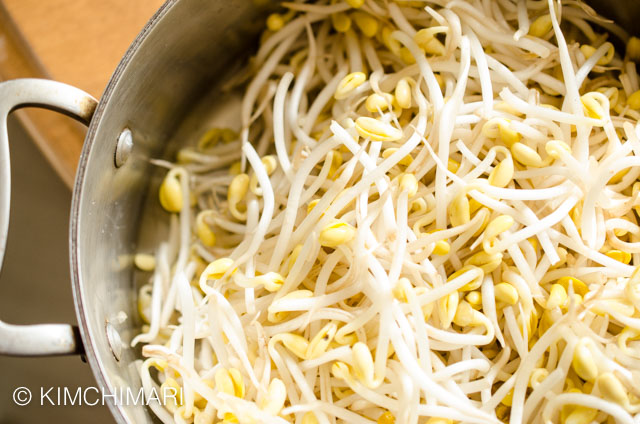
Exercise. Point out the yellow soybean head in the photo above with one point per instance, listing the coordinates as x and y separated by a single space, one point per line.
403 94
466 316
270 163
386 418
441 248
541 26
362 363
235 168
203 230
426 40
433 47
340 370
378 102
557 297
309 418
508 135
157 363
355 3
502 174
581 415
275 22
276 397
272 281
216 269
506 293
588 51
336 160
238 188
423 37
406 56
390 42
366 23
625 335
473 284
144 262
459 213
409 184
171 191
498 226
348 84
406 161
144 303
618 176
447 307
592 104
337 233
633 49
474 298
228 135
321 341
297 344
453 165
312 204
611 388
579 286
377 130
401 288
341 22
210 138
171 386
487 262
508 398
238 382
293 257
229 418
224 381
526 155
583 363
619 255
439 420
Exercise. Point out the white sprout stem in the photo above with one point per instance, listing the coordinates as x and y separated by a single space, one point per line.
268 205
523 20
278 123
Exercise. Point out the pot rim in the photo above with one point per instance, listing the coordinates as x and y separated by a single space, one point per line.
79 299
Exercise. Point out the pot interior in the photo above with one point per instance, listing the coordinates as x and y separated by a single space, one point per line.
167 91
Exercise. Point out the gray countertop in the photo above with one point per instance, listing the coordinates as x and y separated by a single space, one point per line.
35 287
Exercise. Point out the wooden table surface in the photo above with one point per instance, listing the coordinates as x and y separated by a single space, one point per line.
79 42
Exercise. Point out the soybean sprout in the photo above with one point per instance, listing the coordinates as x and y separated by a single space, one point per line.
429 214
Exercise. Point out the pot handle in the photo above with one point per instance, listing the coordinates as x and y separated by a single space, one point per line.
40 339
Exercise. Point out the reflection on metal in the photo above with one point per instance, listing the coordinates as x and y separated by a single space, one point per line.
124 146
114 340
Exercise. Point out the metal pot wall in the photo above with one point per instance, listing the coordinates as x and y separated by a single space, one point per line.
171 71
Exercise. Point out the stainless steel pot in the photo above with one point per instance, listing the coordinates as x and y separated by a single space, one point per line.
171 71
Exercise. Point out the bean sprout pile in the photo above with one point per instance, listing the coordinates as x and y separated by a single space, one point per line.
429 214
